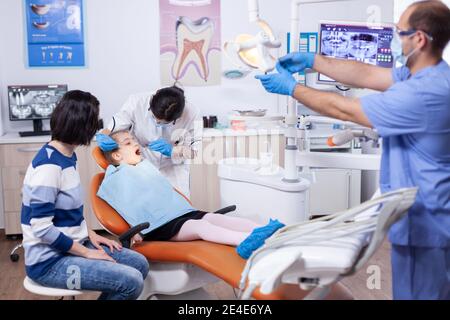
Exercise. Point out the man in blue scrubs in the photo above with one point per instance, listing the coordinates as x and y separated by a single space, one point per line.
412 114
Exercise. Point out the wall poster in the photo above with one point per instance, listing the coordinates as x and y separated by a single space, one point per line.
190 42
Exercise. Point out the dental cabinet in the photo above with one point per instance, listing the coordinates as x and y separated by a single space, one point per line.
333 190
16 155
222 144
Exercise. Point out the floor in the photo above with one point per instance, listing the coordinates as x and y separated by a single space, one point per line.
12 275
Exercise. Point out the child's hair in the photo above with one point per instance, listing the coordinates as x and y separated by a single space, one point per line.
75 119
109 154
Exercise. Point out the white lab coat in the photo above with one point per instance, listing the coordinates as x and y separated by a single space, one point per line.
135 115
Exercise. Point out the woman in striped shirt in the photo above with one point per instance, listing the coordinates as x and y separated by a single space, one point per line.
60 252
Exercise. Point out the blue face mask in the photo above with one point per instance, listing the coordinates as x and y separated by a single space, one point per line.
161 125
397 50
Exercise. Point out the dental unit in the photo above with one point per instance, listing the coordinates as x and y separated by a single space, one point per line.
298 158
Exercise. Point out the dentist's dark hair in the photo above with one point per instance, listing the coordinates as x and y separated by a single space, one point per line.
432 17
168 104
75 119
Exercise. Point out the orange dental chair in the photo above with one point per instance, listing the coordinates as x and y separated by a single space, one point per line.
182 269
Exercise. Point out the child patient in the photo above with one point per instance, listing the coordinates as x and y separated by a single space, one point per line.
140 193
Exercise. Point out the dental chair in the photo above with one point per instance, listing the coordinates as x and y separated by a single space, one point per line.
319 253
181 269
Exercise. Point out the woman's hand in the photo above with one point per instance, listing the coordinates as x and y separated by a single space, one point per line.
95 254
99 254
97 241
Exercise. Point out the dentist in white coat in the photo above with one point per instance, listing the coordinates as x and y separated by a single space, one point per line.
163 123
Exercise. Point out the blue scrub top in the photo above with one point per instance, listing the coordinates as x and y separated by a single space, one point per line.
413 117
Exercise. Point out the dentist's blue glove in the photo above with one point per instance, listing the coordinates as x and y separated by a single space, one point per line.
298 61
281 83
106 143
161 146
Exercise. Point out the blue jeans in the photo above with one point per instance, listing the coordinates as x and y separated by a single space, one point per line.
123 280
420 273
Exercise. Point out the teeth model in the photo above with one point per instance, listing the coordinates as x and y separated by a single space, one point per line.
41 25
40 9
193 42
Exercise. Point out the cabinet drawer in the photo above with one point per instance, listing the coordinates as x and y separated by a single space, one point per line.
12 199
12 223
13 177
18 155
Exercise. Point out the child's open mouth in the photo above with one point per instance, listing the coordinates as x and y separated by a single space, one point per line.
138 152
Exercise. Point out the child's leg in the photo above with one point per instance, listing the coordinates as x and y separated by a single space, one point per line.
232 223
202 229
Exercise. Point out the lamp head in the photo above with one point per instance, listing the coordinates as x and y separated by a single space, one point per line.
254 51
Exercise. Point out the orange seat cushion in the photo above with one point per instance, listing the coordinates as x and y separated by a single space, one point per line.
223 262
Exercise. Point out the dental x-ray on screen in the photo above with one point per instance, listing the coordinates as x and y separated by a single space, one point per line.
360 42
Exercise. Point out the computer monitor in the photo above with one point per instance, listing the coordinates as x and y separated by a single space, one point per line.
368 43
34 103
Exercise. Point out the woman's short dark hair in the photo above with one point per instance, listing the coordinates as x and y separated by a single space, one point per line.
168 104
432 17
75 119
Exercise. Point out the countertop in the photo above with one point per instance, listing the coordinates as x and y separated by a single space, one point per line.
14 138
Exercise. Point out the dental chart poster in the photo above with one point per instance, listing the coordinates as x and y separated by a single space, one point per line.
190 42
55 33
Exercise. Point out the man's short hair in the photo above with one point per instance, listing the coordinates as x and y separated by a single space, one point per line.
432 17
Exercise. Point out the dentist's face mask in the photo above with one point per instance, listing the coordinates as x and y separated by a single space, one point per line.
161 124
397 46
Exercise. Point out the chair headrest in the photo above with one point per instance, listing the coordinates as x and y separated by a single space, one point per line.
100 158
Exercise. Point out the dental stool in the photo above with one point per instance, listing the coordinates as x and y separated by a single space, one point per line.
37 289
180 270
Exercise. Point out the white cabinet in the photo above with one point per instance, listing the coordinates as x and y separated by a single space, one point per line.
204 182
14 161
334 190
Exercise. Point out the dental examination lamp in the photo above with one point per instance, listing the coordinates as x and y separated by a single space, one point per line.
248 51
253 52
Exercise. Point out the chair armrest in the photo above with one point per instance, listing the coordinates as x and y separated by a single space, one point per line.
226 210
125 239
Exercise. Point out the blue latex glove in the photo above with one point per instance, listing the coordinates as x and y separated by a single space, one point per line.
106 143
281 83
161 146
298 62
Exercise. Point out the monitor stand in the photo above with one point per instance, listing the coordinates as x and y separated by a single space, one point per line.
37 130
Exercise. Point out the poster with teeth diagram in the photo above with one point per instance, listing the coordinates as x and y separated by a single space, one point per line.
190 35
55 33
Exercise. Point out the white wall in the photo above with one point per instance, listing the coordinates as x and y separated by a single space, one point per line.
122 39
401 5
123 51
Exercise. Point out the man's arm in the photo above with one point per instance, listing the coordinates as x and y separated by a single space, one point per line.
332 105
354 73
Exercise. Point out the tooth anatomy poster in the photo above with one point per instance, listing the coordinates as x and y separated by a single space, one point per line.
190 42
55 33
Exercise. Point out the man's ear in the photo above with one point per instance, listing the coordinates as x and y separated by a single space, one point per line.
422 40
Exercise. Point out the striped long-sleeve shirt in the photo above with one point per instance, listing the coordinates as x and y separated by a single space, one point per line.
52 210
